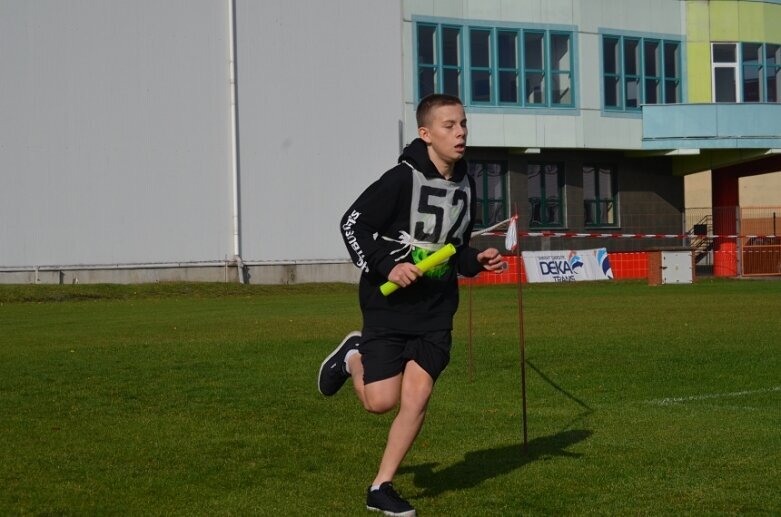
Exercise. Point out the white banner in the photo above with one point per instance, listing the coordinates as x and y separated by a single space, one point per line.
567 265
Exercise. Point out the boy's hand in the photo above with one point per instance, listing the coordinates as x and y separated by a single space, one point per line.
490 259
404 274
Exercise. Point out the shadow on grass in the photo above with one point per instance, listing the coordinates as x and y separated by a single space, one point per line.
479 466
559 388
587 410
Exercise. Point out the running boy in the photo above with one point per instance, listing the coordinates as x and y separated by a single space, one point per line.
415 208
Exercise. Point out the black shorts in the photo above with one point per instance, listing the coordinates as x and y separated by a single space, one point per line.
384 353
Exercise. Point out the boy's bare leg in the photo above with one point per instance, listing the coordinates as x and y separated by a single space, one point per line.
356 372
381 396
416 387
413 388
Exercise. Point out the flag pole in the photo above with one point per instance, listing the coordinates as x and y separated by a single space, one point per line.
522 341
470 363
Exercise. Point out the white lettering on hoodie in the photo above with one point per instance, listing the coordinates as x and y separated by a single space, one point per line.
352 241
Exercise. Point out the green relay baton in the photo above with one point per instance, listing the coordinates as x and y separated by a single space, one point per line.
435 259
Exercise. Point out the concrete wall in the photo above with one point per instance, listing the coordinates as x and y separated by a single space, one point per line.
755 191
114 132
280 274
320 106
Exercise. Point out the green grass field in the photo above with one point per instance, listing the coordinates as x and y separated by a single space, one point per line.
193 399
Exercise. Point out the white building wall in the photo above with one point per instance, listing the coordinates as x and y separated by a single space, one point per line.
115 128
115 121
320 97
114 132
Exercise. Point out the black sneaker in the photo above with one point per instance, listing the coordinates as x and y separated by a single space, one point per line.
388 501
332 374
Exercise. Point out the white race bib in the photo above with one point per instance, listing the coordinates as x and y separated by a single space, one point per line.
439 211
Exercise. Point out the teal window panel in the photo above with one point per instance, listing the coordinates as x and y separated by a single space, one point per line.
760 71
481 66
495 66
439 60
561 67
773 72
509 67
639 70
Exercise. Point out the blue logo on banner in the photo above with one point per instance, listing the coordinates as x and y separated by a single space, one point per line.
604 263
575 261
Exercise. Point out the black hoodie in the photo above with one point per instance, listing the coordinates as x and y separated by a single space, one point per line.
413 199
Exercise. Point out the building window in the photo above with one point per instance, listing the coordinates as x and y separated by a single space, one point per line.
440 59
637 71
773 71
498 66
752 61
652 59
491 183
534 64
611 57
725 72
599 195
546 194
632 73
561 70
481 65
509 67
761 68
672 73
746 72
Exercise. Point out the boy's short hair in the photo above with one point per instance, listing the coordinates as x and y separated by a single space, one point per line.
435 100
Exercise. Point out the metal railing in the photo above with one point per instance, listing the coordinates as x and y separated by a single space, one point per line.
757 247
760 246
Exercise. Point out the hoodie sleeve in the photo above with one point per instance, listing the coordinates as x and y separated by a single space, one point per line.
370 215
467 256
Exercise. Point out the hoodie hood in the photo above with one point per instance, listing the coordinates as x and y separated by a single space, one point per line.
416 154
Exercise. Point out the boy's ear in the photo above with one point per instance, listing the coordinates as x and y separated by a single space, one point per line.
424 134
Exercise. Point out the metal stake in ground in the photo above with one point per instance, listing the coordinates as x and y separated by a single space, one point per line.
522 341
470 363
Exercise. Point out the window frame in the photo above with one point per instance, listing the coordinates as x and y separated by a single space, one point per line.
636 77
420 67
458 68
734 65
657 79
492 64
517 70
560 184
485 201
758 68
438 66
559 72
677 77
615 78
623 78
526 71
495 71
598 199
765 68
774 71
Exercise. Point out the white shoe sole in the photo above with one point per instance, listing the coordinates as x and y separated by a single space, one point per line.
410 513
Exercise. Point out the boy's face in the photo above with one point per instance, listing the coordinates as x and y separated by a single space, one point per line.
445 133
